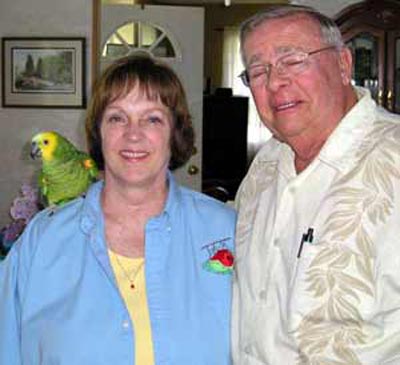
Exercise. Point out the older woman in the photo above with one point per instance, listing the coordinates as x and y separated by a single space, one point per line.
133 273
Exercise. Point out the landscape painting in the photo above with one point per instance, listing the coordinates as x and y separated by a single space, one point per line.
43 72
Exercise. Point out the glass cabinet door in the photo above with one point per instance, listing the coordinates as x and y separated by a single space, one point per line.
393 78
371 28
367 50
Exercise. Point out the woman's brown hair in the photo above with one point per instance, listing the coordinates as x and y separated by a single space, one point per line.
156 81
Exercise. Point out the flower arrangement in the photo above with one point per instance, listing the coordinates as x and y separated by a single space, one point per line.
22 209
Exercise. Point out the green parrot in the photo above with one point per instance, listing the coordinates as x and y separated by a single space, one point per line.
66 172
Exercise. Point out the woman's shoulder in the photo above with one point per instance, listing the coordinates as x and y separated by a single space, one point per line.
47 231
53 222
69 212
57 214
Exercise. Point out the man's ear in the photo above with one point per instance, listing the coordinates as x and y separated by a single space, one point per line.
345 63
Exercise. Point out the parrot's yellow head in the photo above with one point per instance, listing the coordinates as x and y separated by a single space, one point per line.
43 145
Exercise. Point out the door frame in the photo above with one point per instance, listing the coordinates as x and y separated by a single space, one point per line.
190 174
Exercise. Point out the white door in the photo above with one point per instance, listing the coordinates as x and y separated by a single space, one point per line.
175 34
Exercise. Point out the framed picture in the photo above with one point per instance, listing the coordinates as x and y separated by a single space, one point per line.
43 73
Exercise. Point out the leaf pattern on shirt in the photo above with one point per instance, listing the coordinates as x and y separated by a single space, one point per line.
341 275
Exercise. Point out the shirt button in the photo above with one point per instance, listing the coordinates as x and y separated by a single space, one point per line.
169 229
125 324
276 242
247 349
263 295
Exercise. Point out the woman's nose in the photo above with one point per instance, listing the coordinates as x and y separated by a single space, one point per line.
134 129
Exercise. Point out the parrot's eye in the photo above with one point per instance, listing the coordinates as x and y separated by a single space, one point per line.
46 141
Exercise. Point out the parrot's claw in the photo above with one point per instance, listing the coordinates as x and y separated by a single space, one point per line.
52 209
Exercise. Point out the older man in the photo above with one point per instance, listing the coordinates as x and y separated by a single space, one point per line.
318 237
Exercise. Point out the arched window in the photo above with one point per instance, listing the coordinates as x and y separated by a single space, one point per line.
139 36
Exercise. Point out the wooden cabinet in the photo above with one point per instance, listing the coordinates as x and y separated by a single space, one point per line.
224 144
372 30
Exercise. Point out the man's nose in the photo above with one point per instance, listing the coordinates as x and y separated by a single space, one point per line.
277 78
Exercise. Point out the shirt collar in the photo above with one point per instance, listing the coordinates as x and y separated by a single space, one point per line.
174 196
342 143
91 210
92 213
339 150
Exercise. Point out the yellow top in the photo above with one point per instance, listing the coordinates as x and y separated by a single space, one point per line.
130 271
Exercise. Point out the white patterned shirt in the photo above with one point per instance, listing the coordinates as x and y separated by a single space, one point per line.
339 302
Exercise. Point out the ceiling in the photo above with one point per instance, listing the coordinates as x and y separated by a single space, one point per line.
202 2
189 2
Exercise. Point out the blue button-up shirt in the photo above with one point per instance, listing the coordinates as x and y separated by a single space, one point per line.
60 304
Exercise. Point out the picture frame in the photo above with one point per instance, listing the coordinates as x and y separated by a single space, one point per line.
43 72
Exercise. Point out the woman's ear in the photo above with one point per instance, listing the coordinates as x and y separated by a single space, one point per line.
345 63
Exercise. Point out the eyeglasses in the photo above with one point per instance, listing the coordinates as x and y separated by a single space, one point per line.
289 65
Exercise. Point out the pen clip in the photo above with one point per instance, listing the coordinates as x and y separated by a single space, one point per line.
306 237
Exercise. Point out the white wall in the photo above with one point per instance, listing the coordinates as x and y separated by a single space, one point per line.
38 18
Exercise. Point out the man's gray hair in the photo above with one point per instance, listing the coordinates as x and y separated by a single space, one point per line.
330 33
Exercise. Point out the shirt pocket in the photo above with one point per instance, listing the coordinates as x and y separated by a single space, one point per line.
330 284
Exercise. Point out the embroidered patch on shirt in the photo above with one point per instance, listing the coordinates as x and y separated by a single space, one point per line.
221 258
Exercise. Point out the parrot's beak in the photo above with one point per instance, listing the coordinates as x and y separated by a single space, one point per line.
35 151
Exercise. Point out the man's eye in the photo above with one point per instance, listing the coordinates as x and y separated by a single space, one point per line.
292 61
257 72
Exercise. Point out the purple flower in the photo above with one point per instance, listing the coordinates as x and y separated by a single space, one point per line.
26 206
12 231
30 192
23 208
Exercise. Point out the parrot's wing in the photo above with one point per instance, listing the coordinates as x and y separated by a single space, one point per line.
64 180
89 165
43 187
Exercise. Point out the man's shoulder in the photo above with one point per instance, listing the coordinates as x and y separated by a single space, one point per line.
265 160
384 115
260 174
386 127
269 152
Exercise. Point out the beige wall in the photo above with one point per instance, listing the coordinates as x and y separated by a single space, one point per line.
38 18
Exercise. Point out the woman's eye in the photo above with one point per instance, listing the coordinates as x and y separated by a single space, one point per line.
114 118
154 120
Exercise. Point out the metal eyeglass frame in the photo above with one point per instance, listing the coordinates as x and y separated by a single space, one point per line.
244 75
